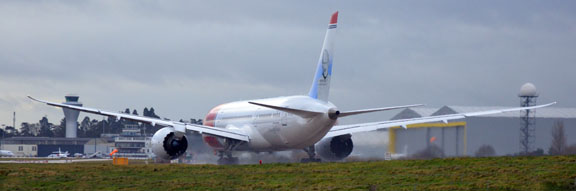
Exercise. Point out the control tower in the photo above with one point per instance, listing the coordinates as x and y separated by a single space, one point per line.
71 116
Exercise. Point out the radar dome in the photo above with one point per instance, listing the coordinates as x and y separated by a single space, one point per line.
528 89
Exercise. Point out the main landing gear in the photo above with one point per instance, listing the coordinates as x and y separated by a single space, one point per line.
225 155
311 151
226 158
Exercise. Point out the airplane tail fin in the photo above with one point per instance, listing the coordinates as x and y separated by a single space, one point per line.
321 83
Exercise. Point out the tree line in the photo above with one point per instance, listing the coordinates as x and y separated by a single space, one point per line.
87 127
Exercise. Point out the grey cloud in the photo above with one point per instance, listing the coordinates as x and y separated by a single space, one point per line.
388 52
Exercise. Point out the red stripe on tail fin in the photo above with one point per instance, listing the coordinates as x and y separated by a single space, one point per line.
334 18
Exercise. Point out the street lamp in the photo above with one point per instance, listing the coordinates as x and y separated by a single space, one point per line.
3 132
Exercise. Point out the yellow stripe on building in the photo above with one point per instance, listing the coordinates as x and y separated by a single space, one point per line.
392 133
391 141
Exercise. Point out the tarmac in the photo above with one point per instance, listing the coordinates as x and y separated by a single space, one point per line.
51 161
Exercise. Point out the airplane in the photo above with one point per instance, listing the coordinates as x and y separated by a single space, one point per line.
58 154
305 122
6 153
97 154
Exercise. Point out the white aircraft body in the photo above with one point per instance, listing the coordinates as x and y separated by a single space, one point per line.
58 154
276 124
6 153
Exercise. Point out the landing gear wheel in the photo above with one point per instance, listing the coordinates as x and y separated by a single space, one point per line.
311 151
228 161
307 160
226 154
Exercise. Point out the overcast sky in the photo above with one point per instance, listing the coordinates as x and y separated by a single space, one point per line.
185 57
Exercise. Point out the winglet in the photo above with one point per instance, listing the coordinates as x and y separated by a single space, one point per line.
36 99
508 110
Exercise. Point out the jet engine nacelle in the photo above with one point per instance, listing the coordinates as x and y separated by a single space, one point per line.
168 144
335 148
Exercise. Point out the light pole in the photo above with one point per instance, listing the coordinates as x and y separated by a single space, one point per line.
3 132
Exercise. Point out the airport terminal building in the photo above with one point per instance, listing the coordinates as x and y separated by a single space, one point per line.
43 146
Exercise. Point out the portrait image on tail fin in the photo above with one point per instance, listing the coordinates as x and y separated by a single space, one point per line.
325 63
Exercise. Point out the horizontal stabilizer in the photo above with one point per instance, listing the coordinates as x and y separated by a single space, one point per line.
299 112
356 112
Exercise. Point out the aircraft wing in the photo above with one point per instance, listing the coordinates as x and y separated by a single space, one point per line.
363 127
178 126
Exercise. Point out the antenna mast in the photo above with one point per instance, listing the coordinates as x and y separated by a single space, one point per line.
528 96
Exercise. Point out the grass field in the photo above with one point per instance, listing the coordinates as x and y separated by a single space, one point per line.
497 173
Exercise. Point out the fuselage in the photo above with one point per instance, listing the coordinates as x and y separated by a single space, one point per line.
6 153
270 129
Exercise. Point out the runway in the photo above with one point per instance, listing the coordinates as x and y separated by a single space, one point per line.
52 161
